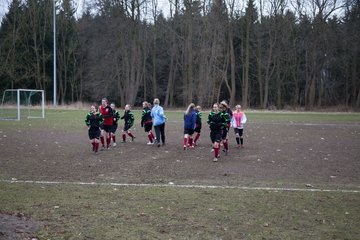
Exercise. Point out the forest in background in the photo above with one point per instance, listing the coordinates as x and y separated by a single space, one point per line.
261 54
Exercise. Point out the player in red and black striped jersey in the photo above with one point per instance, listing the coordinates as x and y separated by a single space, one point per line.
129 122
107 125
146 122
93 120
116 117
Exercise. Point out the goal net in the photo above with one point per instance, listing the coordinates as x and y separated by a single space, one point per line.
19 103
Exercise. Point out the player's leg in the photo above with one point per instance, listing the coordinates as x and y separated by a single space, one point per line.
197 130
241 137
162 132
237 136
186 137
130 134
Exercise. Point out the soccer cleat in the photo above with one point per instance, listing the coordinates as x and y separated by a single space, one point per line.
215 159
150 143
114 144
184 147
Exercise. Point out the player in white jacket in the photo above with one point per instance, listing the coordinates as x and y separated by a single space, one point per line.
237 122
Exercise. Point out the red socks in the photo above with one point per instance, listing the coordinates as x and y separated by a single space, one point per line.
102 141
197 137
114 138
185 143
152 135
190 141
108 140
124 137
95 146
216 152
130 134
150 138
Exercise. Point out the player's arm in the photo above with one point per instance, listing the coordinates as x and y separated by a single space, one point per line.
209 118
131 118
101 118
87 120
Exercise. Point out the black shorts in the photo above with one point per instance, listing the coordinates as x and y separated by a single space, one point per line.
127 127
189 131
224 133
107 128
114 127
198 128
239 131
216 136
148 127
94 133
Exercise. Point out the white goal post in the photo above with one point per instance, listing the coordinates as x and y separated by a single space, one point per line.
24 100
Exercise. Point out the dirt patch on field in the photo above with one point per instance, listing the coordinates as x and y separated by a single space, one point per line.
14 227
275 154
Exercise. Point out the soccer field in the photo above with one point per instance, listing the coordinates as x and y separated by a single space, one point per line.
298 177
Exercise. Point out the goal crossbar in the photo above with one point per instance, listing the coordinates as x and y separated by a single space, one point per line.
18 102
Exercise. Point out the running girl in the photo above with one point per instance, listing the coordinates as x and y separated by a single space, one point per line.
217 123
93 121
237 122
198 124
146 122
129 122
189 125
106 127
224 110
116 117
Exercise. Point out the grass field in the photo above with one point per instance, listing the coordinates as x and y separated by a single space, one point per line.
296 153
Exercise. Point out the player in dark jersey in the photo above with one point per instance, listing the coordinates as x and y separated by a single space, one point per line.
217 122
128 123
198 124
106 127
116 117
93 121
223 107
146 122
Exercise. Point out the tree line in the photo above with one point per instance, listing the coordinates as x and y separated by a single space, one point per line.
260 54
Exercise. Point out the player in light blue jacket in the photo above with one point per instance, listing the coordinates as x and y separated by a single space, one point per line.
159 119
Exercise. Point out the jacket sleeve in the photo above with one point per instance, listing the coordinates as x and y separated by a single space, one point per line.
209 119
243 119
87 120
101 119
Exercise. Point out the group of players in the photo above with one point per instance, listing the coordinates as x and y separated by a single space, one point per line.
102 123
220 119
